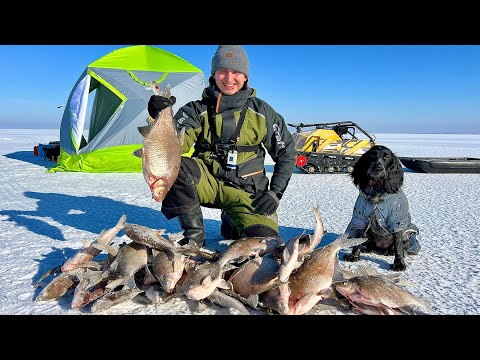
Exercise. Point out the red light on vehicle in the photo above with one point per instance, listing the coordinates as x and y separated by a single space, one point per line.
301 160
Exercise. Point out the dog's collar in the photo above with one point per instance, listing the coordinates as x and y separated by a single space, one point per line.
371 182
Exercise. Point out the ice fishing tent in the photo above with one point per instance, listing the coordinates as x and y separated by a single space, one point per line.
121 81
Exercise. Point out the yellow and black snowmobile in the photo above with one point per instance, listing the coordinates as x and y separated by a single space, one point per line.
331 147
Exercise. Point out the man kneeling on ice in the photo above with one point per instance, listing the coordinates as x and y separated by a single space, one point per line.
231 129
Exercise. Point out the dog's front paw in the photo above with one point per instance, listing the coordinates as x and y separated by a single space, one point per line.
351 257
398 266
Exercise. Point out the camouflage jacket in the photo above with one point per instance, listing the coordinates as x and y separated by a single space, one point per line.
263 129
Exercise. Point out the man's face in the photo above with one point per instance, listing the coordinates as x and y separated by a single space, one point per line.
229 81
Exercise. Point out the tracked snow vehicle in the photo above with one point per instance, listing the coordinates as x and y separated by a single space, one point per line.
332 147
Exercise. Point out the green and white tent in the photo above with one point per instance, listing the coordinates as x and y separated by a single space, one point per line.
121 81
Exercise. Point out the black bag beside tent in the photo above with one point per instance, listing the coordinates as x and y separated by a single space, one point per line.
52 153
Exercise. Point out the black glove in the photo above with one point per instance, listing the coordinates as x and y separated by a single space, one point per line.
267 202
157 103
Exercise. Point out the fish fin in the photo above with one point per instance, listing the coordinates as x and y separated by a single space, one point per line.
149 277
346 242
223 284
228 267
107 248
90 265
216 270
206 280
285 254
348 274
168 92
277 282
117 282
252 300
178 262
226 242
337 271
170 254
175 237
145 130
294 244
386 309
101 234
365 270
126 281
54 270
325 293
309 241
121 221
181 136
131 282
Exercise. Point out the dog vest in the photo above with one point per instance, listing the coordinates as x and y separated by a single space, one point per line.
392 213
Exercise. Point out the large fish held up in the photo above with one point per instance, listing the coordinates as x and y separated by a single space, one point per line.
162 149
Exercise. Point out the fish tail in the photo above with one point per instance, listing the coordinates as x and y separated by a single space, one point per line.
168 92
343 241
121 222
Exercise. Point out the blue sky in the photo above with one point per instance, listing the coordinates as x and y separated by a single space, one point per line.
383 88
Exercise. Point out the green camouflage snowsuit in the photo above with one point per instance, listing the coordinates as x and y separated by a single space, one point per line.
205 179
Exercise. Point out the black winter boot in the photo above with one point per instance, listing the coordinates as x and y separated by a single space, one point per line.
192 224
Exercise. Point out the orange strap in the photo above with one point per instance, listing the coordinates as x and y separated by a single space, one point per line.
218 102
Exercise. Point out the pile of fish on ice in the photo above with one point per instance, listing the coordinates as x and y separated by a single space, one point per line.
263 273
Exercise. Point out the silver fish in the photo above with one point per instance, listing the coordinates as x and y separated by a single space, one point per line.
83 296
154 239
114 298
289 261
386 297
306 247
276 299
59 285
219 298
244 248
203 279
88 252
130 259
311 281
161 152
168 272
255 276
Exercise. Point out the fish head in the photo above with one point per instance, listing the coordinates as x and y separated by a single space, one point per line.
346 288
199 291
159 189
283 306
168 282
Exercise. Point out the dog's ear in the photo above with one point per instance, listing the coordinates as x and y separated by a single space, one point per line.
359 172
394 177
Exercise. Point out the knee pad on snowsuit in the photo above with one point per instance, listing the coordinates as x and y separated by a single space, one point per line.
182 196
229 231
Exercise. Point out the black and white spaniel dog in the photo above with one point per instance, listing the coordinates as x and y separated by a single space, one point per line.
381 212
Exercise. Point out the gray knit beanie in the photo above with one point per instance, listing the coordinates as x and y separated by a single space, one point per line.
231 57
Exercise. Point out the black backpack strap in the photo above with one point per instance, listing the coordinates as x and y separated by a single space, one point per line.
233 139
236 132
